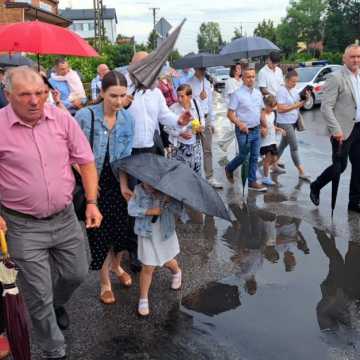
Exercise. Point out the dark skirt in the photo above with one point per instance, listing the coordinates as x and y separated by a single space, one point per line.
116 231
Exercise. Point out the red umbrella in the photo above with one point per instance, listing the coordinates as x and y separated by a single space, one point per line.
16 321
43 39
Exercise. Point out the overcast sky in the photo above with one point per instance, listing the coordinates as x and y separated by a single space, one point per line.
135 18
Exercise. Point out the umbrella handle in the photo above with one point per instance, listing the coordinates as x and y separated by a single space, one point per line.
3 244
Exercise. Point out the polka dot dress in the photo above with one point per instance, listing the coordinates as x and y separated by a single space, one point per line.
116 232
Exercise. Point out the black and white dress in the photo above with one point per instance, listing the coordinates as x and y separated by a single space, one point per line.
115 232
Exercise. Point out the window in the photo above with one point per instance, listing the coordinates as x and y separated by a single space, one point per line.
91 26
46 7
78 27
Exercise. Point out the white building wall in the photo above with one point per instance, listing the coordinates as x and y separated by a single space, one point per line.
85 28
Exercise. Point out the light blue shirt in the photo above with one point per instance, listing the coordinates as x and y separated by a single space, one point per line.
287 97
247 103
120 137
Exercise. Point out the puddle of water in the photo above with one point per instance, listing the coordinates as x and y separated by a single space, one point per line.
293 294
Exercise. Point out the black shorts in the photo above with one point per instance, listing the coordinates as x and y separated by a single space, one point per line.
272 149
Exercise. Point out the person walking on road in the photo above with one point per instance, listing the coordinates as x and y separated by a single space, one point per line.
38 145
271 77
158 242
203 94
186 146
288 107
244 111
231 85
341 110
115 235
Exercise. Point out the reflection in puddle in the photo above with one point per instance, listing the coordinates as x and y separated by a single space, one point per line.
281 297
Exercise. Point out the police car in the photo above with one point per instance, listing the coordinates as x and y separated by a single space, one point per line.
314 75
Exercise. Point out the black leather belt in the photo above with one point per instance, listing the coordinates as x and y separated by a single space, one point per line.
253 128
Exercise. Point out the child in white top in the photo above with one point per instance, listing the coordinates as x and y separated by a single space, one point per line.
268 147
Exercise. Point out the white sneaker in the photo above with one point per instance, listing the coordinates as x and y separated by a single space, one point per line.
143 307
176 281
214 183
267 181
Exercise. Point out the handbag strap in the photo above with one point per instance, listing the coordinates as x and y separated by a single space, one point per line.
197 109
91 139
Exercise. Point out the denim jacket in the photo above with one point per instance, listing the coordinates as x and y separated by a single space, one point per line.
143 201
120 138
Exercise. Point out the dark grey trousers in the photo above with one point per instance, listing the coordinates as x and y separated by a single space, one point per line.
53 261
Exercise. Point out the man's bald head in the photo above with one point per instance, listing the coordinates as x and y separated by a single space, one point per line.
141 55
102 70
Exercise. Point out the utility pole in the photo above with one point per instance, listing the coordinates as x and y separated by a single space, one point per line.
99 27
154 10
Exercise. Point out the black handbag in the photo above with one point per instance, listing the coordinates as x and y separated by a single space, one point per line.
79 198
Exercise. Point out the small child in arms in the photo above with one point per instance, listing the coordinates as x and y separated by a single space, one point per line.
158 244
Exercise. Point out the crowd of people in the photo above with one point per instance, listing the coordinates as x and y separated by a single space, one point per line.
50 131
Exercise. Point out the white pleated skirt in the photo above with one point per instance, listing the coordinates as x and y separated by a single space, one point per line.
156 251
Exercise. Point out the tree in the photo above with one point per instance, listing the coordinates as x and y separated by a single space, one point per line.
342 24
237 33
209 38
266 29
304 22
152 40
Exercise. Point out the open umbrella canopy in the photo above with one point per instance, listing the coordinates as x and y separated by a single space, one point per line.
248 47
175 179
202 60
146 72
15 60
43 39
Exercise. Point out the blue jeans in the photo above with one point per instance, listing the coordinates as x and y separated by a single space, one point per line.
247 143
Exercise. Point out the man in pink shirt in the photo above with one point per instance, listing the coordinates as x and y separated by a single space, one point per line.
38 145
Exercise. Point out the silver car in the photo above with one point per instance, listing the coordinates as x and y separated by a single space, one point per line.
314 76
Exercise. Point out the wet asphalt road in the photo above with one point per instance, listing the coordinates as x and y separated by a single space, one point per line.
245 295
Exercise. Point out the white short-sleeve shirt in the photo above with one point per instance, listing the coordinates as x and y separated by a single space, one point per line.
270 138
287 97
270 80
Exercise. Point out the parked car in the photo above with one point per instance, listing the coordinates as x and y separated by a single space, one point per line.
315 77
220 76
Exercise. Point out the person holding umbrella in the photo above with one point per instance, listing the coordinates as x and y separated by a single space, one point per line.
341 110
244 111
38 146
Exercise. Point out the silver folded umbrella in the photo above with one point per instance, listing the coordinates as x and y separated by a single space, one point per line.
145 72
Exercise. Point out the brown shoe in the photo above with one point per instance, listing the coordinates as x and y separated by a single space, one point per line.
230 176
257 187
107 297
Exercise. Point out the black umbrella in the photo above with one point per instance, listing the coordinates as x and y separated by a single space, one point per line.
202 60
15 60
248 47
175 179
146 71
